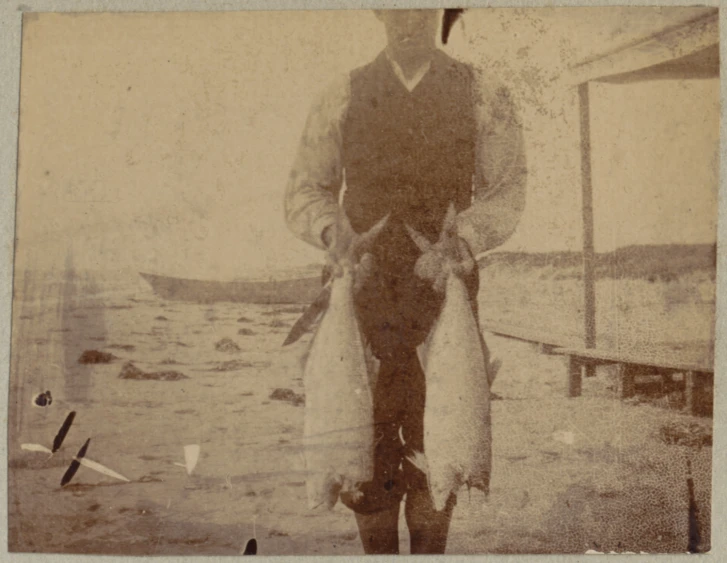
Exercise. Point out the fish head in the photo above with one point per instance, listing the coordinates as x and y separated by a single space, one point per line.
450 255
350 251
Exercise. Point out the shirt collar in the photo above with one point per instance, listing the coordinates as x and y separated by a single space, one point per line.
415 80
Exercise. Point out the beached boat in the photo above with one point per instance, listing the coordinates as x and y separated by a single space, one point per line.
297 290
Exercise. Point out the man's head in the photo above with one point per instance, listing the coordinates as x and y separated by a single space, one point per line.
411 34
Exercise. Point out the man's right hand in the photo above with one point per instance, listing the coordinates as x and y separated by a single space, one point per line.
329 240
364 267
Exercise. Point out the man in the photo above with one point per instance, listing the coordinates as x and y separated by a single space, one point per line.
408 134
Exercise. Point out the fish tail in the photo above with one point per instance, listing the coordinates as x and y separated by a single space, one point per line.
486 490
323 490
481 484
419 460
333 489
353 490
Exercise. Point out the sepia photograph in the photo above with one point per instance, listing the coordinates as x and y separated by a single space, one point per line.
364 281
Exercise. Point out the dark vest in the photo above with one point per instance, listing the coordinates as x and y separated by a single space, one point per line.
409 154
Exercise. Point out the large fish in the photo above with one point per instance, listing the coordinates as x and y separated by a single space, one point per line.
458 374
338 427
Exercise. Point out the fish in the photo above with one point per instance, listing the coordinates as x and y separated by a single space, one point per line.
338 436
458 374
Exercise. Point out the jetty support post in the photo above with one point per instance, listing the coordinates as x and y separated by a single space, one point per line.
589 293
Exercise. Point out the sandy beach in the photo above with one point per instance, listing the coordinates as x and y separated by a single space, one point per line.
570 474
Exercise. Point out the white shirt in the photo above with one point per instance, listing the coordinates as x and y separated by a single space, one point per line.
416 79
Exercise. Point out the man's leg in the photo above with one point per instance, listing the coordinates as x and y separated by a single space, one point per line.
428 528
379 531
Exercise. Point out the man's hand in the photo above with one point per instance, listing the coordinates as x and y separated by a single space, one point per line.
328 236
364 267
329 240
451 254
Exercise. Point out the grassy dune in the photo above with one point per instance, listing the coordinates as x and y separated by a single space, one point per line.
652 263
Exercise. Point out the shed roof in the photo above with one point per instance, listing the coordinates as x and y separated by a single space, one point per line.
685 50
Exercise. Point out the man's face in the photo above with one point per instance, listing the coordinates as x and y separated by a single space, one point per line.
410 33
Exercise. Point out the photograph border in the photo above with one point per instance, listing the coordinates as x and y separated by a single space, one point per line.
11 13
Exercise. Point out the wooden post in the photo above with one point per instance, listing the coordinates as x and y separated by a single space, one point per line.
690 380
589 293
626 383
575 368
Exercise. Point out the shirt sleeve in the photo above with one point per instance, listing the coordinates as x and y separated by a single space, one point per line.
311 195
501 170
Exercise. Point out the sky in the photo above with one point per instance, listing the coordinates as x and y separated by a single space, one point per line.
163 142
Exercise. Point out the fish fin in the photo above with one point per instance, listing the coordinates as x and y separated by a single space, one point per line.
423 349
372 364
448 242
311 316
419 460
422 355
362 243
419 239
449 226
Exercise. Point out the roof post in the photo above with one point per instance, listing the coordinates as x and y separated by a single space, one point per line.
589 294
